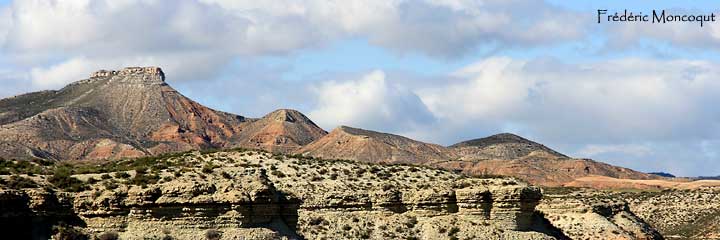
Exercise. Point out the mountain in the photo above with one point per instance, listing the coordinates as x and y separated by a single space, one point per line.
283 130
546 170
134 112
512 155
663 174
502 154
504 146
369 146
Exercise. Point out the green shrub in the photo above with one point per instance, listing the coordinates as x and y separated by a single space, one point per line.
278 173
65 232
92 180
112 235
453 231
141 169
144 179
110 185
122 175
17 182
62 179
213 234
208 168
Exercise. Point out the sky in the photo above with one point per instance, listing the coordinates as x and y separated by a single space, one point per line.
637 95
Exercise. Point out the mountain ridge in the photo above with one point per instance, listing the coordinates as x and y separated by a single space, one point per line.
133 112
136 111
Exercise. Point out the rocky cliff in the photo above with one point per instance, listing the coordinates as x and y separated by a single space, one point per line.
133 112
257 195
594 215
679 214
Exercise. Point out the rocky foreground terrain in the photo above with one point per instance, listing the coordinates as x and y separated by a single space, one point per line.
689 214
679 214
256 195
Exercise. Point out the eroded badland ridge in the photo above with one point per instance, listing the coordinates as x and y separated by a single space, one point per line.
130 113
93 156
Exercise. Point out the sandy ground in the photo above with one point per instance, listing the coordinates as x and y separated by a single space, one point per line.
603 182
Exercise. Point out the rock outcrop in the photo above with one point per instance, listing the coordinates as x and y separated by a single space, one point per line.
134 112
581 216
260 196
678 214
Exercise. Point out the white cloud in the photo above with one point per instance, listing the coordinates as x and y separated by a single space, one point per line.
369 102
103 27
179 67
636 150
627 98
639 113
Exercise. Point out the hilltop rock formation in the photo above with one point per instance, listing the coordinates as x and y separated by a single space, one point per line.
134 112
504 146
369 146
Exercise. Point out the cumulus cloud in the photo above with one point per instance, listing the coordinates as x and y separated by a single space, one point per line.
369 102
636 150
179 67
629 112
627 98
434 27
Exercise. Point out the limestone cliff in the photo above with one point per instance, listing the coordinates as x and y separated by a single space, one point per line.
262 196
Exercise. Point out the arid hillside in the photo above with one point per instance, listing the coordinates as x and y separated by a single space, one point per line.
130 113
502 154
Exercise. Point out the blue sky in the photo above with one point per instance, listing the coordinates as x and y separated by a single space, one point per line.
636 95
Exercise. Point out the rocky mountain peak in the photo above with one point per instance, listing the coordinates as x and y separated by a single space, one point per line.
287 115
495 139
501 146
132 75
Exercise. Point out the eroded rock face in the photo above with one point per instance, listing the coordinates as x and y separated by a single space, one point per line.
258 196
133 112
679 214
591 219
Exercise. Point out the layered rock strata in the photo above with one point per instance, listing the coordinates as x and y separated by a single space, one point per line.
258 196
